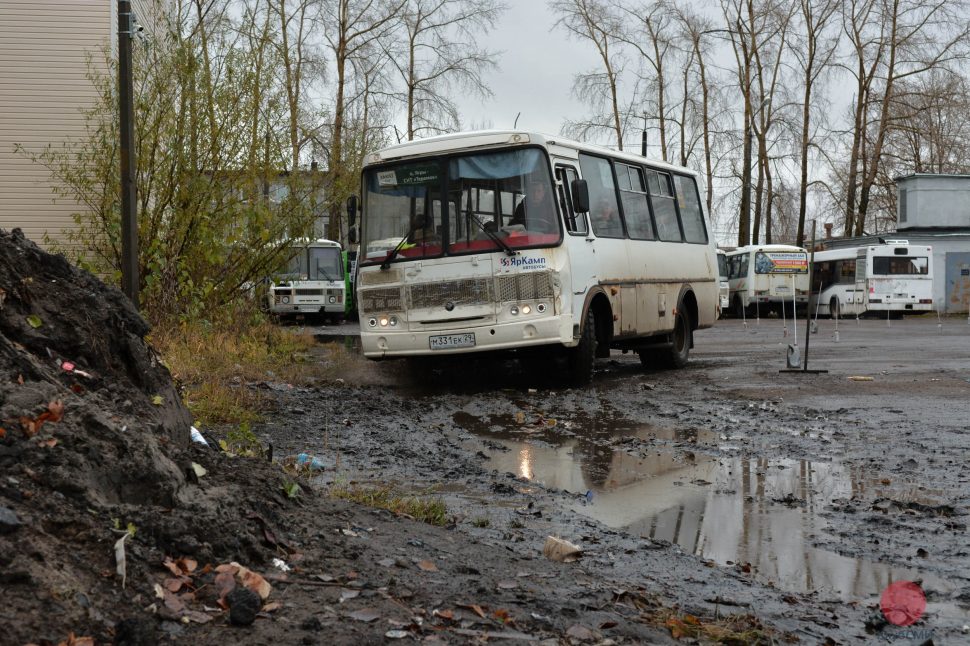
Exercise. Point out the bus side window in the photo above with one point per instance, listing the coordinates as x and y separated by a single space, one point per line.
664 210
575 223
689 202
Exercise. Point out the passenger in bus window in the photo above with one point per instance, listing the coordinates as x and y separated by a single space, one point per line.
536 212
606 220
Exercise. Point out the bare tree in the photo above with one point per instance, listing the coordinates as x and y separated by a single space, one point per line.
350 25
439 53
813 52
596 22
892 40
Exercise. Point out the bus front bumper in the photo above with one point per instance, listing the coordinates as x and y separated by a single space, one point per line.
387 344
306 308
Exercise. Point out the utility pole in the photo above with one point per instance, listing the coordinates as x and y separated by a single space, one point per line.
129 215
643 138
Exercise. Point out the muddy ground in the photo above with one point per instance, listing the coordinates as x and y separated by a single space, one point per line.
725 487
723 496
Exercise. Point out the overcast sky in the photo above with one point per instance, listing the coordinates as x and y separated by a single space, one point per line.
536 71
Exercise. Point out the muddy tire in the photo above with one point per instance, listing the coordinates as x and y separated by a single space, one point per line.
579 360
738 309
835 310
679 352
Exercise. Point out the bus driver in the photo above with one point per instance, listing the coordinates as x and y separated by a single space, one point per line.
536 211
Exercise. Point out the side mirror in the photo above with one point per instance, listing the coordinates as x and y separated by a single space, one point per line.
351 210
580 194
352 235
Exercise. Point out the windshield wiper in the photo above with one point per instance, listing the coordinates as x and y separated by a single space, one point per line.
494 236
400 245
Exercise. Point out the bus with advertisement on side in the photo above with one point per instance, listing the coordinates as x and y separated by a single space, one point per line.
314 282
892 278
767 278
493 241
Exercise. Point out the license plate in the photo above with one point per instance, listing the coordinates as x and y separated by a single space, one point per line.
449 341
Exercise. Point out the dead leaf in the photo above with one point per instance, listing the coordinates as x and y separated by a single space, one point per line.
3 432
504 616
581 633
692 620
77 641
197 617
346 595
157 400
474 608
51 443
520 417
173 603
20 379
272 607
556 549
173 585
253 581
444 614
366 615
172 566
225 582
427 566
187 565
56 410
677 628
34 321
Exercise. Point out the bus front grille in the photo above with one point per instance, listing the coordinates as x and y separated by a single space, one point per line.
467 291
308 292
385 299
525 287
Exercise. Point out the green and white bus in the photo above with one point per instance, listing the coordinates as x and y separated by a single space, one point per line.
508 240
314 282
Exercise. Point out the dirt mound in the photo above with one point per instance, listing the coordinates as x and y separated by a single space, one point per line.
96 437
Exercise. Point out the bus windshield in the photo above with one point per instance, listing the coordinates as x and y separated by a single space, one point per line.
313 263
491 201
900 266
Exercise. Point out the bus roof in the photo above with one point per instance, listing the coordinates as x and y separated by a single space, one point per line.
476 139
765 247
311 242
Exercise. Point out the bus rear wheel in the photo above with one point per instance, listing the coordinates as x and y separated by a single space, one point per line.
679 352
835 310
579 360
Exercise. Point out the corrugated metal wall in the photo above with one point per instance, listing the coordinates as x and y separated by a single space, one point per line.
43 86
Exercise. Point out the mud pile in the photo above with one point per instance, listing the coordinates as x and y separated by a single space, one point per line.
94 438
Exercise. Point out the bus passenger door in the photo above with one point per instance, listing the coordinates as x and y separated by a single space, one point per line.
578 240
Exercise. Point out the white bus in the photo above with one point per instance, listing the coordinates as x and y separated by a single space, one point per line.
895 277
724 287
766 278
313 283
509 240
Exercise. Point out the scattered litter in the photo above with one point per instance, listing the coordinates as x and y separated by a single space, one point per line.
305 459
199 469
556 549
427 566
281 565
120 560
860 378
197 436
34 321
396 634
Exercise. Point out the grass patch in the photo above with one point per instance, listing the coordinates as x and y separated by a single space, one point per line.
427 510
481 522
214 361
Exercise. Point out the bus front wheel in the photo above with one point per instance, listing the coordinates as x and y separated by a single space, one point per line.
580 358
739 311
835 310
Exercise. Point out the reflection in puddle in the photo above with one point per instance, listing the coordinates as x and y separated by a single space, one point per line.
731 510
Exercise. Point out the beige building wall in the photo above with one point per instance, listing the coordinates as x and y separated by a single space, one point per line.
43 87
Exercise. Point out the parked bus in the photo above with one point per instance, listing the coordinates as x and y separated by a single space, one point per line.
891 278
766 278
315 281
508 240
724 287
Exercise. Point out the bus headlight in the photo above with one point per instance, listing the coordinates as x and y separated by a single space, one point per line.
384 321
332 300
372 322
514 310
286 299
526 309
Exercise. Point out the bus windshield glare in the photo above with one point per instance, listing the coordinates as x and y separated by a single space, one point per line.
460 205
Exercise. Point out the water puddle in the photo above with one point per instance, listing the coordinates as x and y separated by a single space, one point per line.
350 342
757 514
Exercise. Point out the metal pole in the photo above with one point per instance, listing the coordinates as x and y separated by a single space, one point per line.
129 216
808 318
